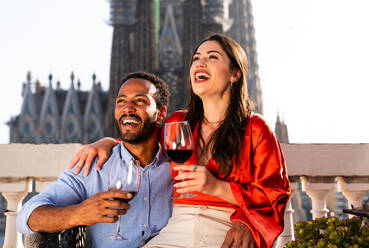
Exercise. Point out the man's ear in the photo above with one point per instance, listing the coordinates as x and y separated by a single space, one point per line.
162 113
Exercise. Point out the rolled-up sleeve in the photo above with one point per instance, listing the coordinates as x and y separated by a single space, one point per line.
67 190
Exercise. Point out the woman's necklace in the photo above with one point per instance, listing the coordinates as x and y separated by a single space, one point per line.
211 122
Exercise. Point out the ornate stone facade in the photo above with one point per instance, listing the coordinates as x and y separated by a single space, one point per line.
59 116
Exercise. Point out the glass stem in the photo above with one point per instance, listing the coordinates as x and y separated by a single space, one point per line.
118 225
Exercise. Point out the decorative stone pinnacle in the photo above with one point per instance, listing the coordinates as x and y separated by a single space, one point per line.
72 76
50 77
29 76
93 77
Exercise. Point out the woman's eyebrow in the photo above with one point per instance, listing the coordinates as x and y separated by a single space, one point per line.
214 51
210 51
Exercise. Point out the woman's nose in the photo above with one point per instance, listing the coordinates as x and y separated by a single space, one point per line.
200 63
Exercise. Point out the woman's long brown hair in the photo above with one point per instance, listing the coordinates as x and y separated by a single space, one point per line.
226 141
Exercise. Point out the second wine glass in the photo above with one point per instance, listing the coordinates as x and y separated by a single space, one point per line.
178 145
124 177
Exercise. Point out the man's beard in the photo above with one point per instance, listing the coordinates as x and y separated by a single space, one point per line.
142 135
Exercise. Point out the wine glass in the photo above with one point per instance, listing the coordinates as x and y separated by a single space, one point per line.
123 177
178 145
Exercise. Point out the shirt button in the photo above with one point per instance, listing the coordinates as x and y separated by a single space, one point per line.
145 198
145 225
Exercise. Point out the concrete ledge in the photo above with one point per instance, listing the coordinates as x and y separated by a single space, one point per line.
29 160
327 159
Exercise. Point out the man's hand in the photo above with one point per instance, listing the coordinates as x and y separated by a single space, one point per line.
239 236
98 208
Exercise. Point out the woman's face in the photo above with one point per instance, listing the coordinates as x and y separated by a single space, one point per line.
210 71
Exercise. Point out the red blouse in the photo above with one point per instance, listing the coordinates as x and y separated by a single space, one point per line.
260 185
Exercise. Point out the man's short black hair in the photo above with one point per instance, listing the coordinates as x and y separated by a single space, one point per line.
162 94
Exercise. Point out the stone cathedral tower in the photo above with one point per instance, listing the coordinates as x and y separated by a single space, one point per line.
133 48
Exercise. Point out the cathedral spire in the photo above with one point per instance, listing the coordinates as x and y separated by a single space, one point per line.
170 50
93 118
281 130
71 122
49 118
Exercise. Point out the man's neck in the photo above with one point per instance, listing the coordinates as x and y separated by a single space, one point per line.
145 151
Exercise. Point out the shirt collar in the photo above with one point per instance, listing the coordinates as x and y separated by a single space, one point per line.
127 156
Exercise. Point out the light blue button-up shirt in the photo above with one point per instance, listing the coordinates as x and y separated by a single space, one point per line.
150 208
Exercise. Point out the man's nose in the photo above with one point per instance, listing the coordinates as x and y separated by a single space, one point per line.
129 107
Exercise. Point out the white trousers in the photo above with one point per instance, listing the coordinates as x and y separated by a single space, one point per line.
194 226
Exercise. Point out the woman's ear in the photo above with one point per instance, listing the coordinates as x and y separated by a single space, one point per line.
235 76
162 113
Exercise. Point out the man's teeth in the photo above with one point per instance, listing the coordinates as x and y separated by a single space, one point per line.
130 122
202 76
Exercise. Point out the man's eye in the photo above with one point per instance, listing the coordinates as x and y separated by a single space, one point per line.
140 101
213 57
120 101
195 58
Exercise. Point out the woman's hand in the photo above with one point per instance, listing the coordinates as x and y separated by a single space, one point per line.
198 178
88 153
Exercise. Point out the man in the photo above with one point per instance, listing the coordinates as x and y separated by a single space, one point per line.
75 200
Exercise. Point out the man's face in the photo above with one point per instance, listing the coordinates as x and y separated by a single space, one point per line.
136 113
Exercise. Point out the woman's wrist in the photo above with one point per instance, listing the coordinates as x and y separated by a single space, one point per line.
224 191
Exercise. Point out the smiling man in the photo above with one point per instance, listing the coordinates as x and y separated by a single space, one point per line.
73 200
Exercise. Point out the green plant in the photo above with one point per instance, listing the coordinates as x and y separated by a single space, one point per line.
331 233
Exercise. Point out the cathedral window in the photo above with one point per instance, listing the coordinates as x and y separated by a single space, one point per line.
49 128
70 128
71 109
26 128
169 49
169 32
26 110
92 127
49 111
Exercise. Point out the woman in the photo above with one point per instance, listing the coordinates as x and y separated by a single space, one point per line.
243 177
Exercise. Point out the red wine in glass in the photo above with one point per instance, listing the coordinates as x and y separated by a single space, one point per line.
179 156
125 200
178 144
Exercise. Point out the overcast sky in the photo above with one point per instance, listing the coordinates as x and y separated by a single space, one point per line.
312 58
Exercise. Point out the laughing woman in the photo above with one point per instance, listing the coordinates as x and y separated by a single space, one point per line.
240 173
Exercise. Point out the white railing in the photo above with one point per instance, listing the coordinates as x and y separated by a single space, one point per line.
320 167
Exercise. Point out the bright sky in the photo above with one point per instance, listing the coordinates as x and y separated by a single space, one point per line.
312 57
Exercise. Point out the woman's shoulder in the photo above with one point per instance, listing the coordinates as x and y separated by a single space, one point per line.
179 115
258 125
257 120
